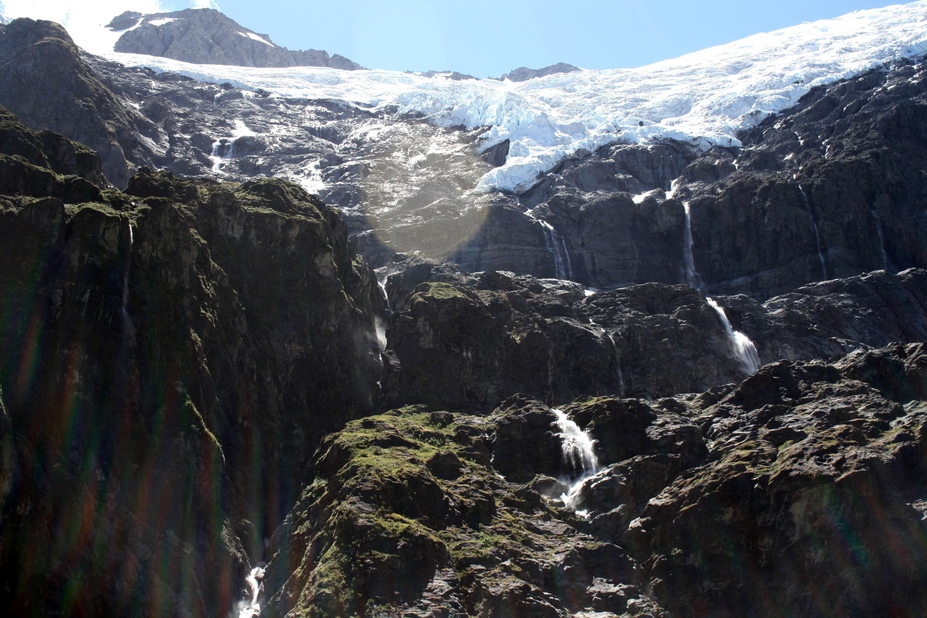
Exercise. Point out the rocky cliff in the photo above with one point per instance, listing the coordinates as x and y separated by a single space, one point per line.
663 381
170 361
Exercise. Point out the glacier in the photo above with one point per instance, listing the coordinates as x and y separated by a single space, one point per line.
703 98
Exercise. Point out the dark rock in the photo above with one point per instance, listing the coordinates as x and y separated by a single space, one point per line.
523 74
184 351
69 99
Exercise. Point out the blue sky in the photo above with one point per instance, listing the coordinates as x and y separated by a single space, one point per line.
491 37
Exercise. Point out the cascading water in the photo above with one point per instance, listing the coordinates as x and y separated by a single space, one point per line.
252 608
378 324
579 452
692 276
744 349
817 233
556 246
221 151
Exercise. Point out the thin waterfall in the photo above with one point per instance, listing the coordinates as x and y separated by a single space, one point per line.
579 453
601 332
878 222
817 233
556 246
221 152
617 364
379 326
692 277
744 349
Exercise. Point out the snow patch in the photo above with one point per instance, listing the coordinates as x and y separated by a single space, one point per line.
256 37
157 23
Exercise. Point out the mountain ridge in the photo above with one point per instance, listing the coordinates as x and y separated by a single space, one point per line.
206 36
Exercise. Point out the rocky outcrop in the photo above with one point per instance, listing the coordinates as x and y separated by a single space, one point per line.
70 99
168 359
408 516
468 342
814 473
523 74
725 503
206 36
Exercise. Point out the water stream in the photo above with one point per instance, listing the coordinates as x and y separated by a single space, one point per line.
744 349
252 608
692 277
601 332
881 235
579 453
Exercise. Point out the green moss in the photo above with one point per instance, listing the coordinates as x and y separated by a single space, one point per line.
438 290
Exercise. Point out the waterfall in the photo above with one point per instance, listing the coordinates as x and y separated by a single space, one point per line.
556 246
617 364
253 608
744 349
692 277
817 233
558 249
878 222
221 152
124 300
578 451
601 332
382 286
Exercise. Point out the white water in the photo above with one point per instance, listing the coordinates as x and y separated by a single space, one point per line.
579 452
252 608
563 266
744 349
601 332
127 266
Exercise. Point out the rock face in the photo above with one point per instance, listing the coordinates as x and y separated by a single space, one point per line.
722 504
523 74
467 342
167 361
206 36
70 99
